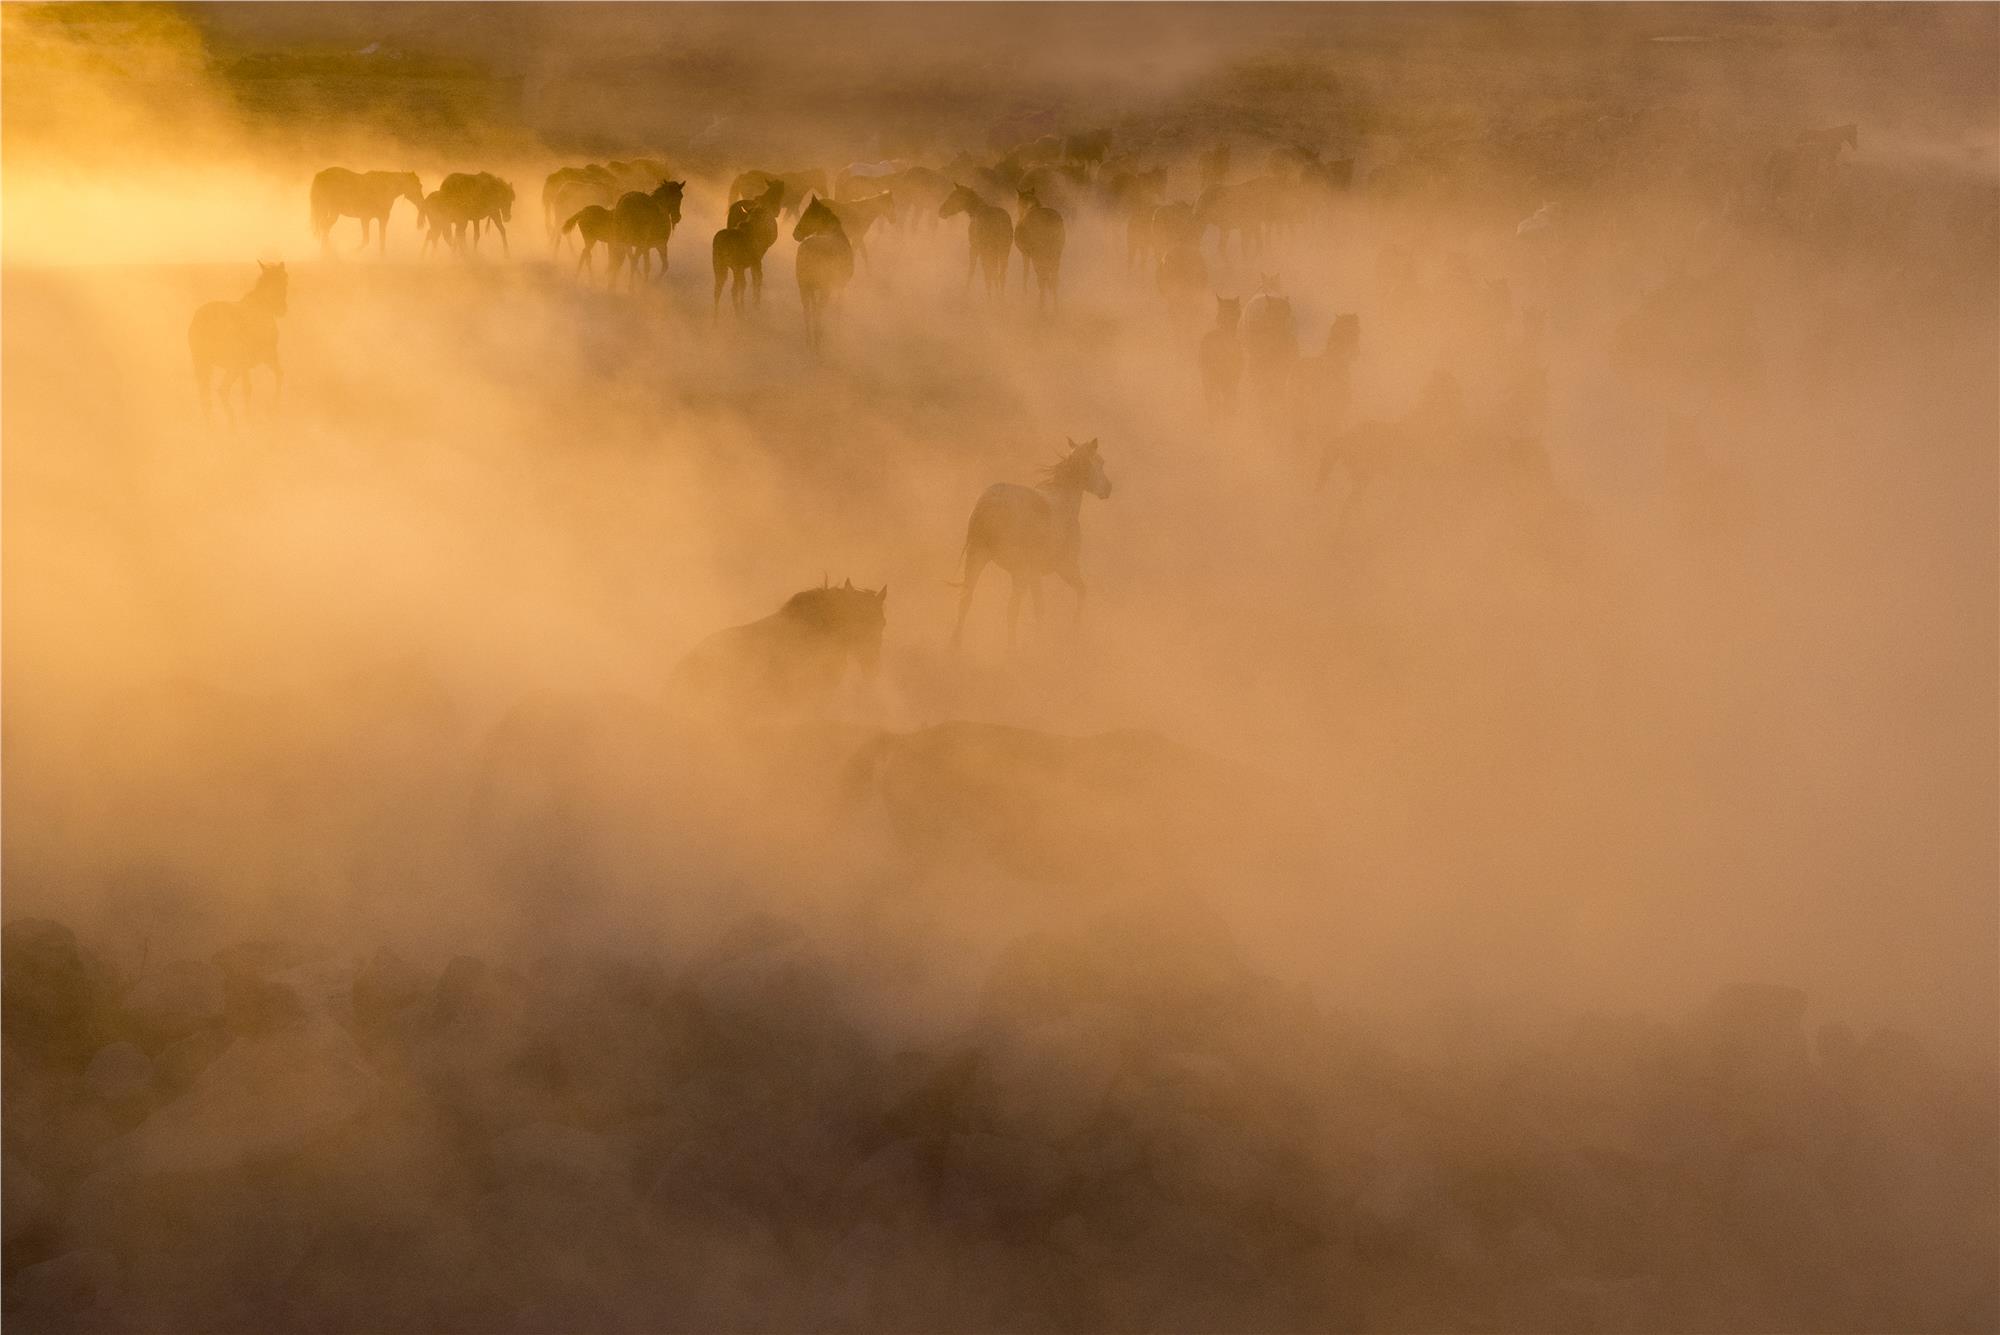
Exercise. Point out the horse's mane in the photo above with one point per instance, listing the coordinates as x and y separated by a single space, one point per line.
1068 471
826 608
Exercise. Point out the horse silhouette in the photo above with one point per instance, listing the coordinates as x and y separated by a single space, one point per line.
989 235
1222 357
1032 532
569 190
235 337
858 215
632 232
794 187
789 662
825 265
1270 342
1039 234
370 196
739 248
472 200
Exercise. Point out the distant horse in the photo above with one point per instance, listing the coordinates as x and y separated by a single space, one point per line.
1032 532
858 215
1182 278
739 248
825 264
1087 149
796 186
471 200
919 191
1222 357
1039 234
339 193
990 236
235 337
789 662
1270 342
569 190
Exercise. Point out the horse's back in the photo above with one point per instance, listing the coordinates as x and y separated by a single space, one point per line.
1011 524
825 259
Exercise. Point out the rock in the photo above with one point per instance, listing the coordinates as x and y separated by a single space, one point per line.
171 1002
52 998
120 1074
266 1096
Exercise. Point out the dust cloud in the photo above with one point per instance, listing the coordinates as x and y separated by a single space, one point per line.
1509 845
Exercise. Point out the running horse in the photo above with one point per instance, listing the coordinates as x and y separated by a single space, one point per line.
1032 532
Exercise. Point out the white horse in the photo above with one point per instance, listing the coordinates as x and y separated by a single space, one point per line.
1032 532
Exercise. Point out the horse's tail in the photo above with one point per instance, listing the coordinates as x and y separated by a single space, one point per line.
573 219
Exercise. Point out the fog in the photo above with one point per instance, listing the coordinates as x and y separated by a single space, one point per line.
1439 880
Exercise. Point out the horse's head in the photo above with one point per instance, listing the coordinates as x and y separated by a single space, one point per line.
1082 469
816 218
412 189
773 197
959 200
845 619
1345 336
1267 284
506 193
271 287
668 196
1027 199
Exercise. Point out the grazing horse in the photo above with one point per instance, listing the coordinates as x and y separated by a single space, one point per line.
825 265
858 215
990 234
339 193
1270 341
740 247
235 337
796 185
1039 234
1032 532
1222 357
473 199
789 662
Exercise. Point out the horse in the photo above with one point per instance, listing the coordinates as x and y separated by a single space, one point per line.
796 186
858 215
1088 149
1032 532
1222 357
989 233
919 191
643 224
569 190
789 662
1039 234
825 264
235 337
739 248
475 198
1270 341
1182 277
370 196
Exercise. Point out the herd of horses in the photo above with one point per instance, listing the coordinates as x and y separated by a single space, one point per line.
631 209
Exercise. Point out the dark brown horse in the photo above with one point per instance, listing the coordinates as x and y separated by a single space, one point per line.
1039 234
790 662
990 234
739 248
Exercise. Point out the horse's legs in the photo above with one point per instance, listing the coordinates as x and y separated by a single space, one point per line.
501 228
975 566
971 267
277 382
757 279
1075 580
203 374
715 307
382 236
363 245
